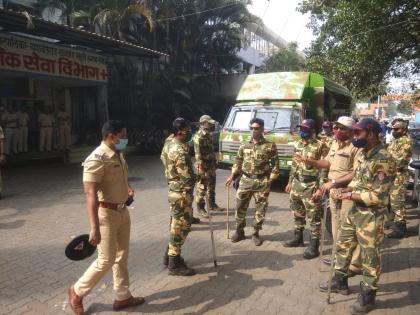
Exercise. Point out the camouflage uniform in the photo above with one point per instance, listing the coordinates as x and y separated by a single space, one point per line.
364 224
304 185
205 157
400 150
164 154
259 165
181 179
327 141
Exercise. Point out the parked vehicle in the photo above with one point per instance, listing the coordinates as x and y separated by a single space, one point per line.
282 100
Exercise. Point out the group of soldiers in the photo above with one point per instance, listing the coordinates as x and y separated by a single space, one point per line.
16 121
361 176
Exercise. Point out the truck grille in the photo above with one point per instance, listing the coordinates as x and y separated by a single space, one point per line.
233 146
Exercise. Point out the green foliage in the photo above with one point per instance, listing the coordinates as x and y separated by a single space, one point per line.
361 43
286 59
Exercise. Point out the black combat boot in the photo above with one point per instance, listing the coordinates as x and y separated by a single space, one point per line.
365 301
256 238
177 267
202 210
312 250
215 207
166 258
339 284
399 230
195 220
297 241
238 236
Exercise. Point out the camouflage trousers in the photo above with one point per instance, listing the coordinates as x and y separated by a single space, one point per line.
207 186
303 206
248 188
362 227
180 203
397 196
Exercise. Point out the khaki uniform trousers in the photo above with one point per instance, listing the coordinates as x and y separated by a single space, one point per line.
64 135
112 252
23 139
337 217
45 138
11 138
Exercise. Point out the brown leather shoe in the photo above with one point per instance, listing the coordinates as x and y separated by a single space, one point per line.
76 302
131 301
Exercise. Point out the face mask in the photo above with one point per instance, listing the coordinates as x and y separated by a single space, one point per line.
256 134
188 136
396 134
326 130
359 143
122 145
341 136
305 134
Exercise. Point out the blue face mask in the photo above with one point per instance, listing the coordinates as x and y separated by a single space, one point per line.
305 134
359 143
122 145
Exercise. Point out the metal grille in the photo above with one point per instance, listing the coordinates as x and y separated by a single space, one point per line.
233 146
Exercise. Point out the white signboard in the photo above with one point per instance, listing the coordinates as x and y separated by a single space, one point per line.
19 53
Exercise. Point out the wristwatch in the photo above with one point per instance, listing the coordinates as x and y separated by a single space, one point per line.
349 195
334 182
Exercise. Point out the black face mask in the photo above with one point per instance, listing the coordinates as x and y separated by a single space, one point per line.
397 134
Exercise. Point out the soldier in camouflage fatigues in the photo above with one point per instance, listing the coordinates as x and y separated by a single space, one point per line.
326 137
303 183
206 165
181 179
400 149
258 164
364 224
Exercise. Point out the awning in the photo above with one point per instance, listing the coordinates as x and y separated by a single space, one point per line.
13 21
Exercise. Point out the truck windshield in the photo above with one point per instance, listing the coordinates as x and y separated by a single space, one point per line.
274 118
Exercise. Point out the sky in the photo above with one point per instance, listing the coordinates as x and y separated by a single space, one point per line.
281 16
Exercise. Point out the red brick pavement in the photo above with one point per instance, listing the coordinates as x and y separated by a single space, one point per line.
44 207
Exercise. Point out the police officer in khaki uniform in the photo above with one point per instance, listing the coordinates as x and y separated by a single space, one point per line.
341 160
105 178
23 121
46 122
64 131
10 124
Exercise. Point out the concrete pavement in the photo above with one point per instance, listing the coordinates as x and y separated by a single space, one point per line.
43 207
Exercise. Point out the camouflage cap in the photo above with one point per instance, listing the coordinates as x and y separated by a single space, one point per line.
207 118
368 124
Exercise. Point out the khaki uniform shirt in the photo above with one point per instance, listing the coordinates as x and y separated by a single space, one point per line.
45 120
110 170
23 119
63 118
343 158
9 120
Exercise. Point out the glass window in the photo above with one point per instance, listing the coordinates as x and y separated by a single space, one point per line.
240 120
275 119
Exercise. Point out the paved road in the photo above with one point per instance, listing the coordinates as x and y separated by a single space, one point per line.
44 207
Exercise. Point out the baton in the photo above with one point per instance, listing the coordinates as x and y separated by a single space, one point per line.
338 207
323 229
211 232
227 211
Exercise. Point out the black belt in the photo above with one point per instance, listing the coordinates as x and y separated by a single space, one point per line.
256 176
307 179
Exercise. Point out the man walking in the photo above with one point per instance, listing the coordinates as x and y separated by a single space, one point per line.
206 165
105 179
258 163
400 149
364 225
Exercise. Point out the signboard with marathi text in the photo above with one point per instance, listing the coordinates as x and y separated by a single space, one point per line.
18 53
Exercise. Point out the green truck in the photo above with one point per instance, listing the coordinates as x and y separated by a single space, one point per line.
282 100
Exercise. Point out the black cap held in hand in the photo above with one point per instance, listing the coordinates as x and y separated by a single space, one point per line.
80 248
